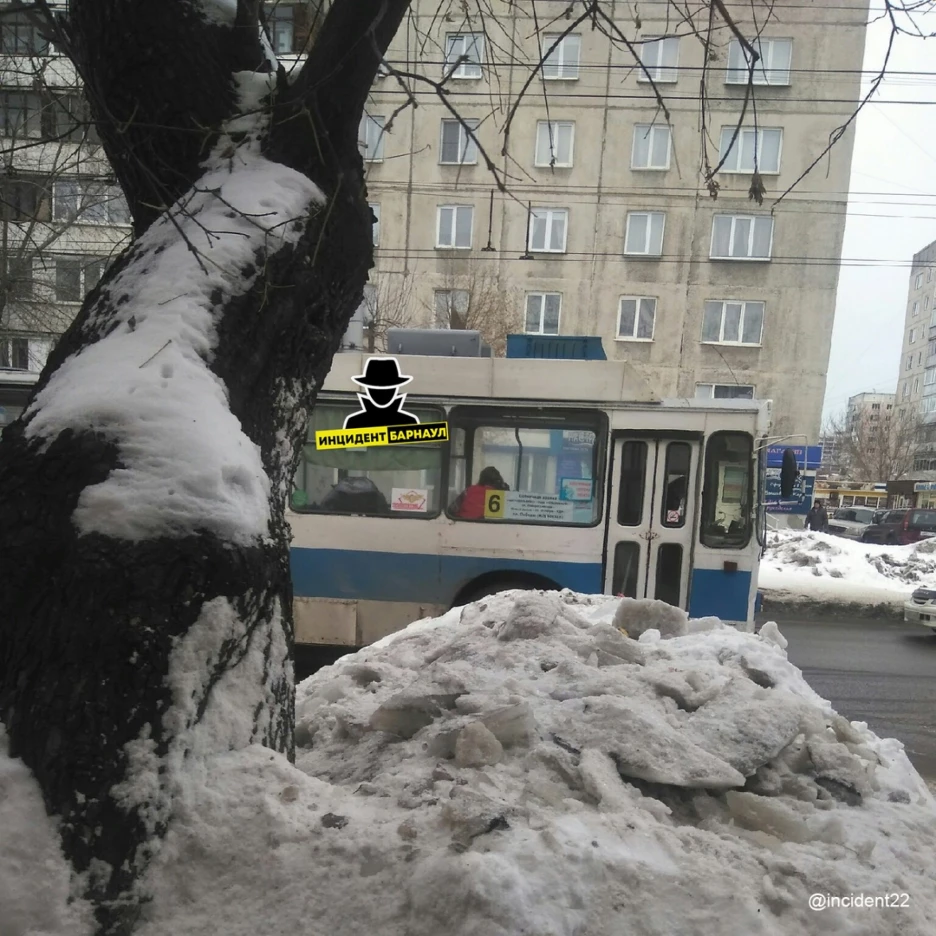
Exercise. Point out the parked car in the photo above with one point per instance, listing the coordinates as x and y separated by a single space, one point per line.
899 527
921 608
851 521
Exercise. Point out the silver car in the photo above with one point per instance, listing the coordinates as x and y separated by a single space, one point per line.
850 522
921 608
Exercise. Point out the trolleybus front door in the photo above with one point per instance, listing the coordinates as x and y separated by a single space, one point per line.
653 515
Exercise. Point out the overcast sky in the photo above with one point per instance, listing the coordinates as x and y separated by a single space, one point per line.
892 215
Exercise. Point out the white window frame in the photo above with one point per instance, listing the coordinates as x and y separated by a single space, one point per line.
375 227
638 303
651 131
915 308
456 210
372 150
648 238
733 236
918 282
554 129
560 59
542 296
551 216
467 147
108 199
711 388
740 146
12 348
457 46
660 59
84 263
766 70
744 303
912 336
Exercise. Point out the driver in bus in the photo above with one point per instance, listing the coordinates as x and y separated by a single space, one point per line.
469 505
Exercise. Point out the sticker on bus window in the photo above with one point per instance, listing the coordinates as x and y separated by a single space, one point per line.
673 516
531 506
409 500
575 489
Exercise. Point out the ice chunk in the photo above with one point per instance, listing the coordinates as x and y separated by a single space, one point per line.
535 614
636 615
512 724
763 814
476 746
771 632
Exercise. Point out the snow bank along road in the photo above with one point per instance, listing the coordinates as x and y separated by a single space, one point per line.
520 766
800 566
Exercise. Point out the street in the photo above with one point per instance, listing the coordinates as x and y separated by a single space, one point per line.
877 672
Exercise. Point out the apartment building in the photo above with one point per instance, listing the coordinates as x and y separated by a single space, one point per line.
604 225
916 374
62 215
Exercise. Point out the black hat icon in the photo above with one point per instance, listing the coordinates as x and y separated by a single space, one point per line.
382 372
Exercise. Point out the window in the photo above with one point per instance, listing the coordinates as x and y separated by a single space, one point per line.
906 390
929 274
371 138
915 309
675 484
707 391
464 55
548 230
929 377
68 117
20 114
14 354
542 313
562 62
772 67
17 276
730 322
636 316
916 385
918 282
660 58
651 148
765 144
457 147
89 202
909 362
375 226
919 358
18 36
726 490
76 276
926 303
912 335
633 484
541 466
387 481
644 236
555 140
282 27
741 237
454 226
21 200
451 308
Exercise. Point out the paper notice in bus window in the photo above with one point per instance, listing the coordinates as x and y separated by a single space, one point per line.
542 508
409 500
575 489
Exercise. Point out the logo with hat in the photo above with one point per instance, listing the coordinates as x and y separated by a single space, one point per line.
381 403
381 419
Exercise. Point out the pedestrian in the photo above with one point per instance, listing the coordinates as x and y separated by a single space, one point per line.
817 519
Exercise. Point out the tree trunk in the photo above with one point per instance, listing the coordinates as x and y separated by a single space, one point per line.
138 636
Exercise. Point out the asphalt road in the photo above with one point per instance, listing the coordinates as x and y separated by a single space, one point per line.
877 672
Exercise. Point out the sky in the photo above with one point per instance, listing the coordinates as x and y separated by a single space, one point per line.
891 214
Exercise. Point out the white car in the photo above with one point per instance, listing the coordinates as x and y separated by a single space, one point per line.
850 522
921 608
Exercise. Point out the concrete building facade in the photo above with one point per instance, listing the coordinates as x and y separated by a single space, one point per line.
605 226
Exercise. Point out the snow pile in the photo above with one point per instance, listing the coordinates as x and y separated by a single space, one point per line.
827 568
521 766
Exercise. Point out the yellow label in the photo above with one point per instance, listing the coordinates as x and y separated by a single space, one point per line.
326 439
494 505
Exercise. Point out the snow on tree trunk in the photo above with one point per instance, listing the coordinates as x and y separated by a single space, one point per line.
145 590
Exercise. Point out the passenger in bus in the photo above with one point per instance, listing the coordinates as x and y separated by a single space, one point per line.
469 505
355 496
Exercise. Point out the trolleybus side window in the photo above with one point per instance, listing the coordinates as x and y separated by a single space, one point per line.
397 481
520 466
727 491
675 485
